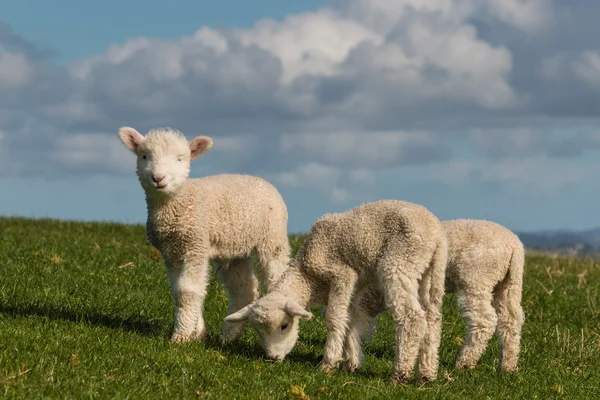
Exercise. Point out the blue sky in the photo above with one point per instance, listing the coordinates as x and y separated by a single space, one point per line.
474 109
78 29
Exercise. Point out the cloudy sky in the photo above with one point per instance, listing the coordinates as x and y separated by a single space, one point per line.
474 109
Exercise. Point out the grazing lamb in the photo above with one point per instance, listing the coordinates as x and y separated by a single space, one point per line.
485 271
398 246
191 221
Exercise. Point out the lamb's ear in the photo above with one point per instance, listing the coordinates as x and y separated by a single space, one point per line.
294 309
240 315
200 145
131 138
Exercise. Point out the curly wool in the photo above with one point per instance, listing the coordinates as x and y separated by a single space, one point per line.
192 221
222 216
485 271
397 246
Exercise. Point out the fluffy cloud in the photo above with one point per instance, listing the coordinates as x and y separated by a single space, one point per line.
333 96
15 71
369 150
318 177
525 143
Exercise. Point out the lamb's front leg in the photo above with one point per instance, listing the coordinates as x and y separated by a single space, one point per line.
336 319
188 287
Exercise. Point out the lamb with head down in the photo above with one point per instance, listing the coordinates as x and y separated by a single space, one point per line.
396 246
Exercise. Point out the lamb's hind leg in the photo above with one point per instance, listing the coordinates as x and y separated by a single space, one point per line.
480 317
510 323
188 288
431 296
360 329
400 287
242 289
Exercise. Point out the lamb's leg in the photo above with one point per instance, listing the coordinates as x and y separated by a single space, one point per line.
274 258
510 323
480 318
242 289
431 296
402 299
336 318
188 288
360 329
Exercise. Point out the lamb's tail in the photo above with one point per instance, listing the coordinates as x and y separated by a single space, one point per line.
439 262
507 302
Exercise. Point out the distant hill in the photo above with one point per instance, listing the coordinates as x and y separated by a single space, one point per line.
573 243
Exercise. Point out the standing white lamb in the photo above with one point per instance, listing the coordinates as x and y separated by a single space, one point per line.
485 271
398 246
191 221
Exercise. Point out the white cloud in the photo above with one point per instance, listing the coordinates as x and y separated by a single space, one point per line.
311 43
320 178
311 175
502 142
369 150
544 174
340 195
15 69
357 86
584 65
362 98
384 15
528 15
93 150
587 67
361 176
239 148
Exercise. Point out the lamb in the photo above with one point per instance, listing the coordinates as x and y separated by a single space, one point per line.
192 221
397 246
485 271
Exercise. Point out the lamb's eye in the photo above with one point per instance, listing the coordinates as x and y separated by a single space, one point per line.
144 157
179 159
284 327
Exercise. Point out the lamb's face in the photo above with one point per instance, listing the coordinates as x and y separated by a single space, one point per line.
163 164
276 320
277 330
163 158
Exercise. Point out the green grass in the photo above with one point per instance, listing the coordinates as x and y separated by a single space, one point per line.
85 312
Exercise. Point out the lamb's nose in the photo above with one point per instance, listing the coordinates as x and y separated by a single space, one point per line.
157 178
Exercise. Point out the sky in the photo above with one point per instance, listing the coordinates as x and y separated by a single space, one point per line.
486 110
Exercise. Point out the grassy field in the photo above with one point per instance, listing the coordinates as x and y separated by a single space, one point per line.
85 312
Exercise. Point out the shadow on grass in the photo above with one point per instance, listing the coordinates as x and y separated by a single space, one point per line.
92 317
238 347
253 351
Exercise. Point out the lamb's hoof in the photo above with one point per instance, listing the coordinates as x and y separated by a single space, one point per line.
423 380
179 338
510 369
464 365
193 337
328 367
399 379
352 365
